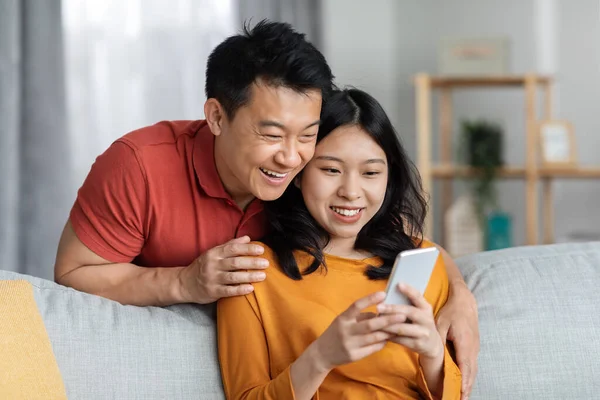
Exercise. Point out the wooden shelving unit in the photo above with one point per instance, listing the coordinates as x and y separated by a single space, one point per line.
531 172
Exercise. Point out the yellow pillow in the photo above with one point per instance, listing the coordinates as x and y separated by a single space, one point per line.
28 369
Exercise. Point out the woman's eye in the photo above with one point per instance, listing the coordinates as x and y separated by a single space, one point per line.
372 173
331 170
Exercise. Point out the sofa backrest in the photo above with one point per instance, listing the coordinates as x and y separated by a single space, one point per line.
539 314
105 350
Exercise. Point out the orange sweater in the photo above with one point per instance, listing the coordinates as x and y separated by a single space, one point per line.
260 335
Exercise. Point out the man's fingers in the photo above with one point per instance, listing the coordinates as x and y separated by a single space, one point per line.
356 308
237 263
467 379
241 239
467 363
238 277
234 290
235 249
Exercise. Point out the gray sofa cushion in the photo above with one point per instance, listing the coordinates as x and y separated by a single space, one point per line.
539 310
109 351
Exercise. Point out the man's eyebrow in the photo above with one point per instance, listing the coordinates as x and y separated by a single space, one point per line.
267 123
317 122
275 124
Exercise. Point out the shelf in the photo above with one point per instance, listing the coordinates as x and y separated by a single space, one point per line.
452 171
571 173
474 81
512 172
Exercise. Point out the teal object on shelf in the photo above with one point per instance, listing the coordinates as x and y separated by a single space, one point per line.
499 231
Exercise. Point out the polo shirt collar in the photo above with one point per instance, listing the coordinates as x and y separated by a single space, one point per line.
204 163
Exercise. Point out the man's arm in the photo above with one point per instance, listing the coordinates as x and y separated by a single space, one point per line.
458 322
207 279
82 269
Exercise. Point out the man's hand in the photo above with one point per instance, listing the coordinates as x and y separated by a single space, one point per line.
222 272
457 322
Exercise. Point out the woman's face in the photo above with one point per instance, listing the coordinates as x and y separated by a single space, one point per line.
344 184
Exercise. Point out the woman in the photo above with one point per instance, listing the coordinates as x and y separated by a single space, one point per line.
316 326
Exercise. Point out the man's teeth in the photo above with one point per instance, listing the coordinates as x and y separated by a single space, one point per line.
347 213
273 173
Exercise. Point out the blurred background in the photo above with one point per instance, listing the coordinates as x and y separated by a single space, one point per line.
77 74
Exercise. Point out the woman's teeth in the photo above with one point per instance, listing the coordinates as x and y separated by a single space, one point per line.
273 173
346 212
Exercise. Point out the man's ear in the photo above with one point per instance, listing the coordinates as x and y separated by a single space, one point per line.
215 115
297 182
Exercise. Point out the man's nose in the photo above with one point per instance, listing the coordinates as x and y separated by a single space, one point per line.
289 156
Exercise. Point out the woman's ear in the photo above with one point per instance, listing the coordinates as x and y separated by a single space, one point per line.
298 182
215 115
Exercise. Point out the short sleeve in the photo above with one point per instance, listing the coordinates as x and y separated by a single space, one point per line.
109 214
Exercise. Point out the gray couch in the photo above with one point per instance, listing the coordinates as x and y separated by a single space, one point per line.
539 310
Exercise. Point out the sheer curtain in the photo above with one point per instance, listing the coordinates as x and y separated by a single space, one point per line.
76 75
131 63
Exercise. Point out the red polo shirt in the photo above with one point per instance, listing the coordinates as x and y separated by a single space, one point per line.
155 198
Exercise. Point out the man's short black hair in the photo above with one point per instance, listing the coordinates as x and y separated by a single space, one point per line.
272 52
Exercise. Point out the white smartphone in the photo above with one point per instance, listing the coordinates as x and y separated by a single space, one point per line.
413 267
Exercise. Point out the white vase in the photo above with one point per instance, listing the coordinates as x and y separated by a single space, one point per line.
462 229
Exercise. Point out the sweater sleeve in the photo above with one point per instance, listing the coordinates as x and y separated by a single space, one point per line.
452 380
244 354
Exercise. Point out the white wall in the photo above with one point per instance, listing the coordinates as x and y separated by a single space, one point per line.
359 47
380 46
578 202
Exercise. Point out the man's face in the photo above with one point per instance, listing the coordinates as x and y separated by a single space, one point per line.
270 139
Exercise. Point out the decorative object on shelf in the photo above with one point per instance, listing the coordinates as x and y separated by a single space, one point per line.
482 148
463 231
499 231
474 56
557 144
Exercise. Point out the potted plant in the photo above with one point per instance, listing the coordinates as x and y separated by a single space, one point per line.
482 149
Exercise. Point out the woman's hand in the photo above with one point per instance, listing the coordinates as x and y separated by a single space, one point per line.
353 335
417 330
418 333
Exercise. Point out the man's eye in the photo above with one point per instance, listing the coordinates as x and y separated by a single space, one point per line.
275 137
372 173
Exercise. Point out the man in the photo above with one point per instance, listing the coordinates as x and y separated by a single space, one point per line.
184 197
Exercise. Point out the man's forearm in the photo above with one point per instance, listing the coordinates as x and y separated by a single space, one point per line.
454 275
127 283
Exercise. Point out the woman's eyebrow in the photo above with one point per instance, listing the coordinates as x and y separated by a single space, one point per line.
369 161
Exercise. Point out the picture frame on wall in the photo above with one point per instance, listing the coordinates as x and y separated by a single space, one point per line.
557 144
469 56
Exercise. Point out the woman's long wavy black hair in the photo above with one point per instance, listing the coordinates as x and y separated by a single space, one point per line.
397 226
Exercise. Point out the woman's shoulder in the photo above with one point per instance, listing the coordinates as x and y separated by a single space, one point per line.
274 269
423 242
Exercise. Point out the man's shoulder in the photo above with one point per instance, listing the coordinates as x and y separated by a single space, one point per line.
163 133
